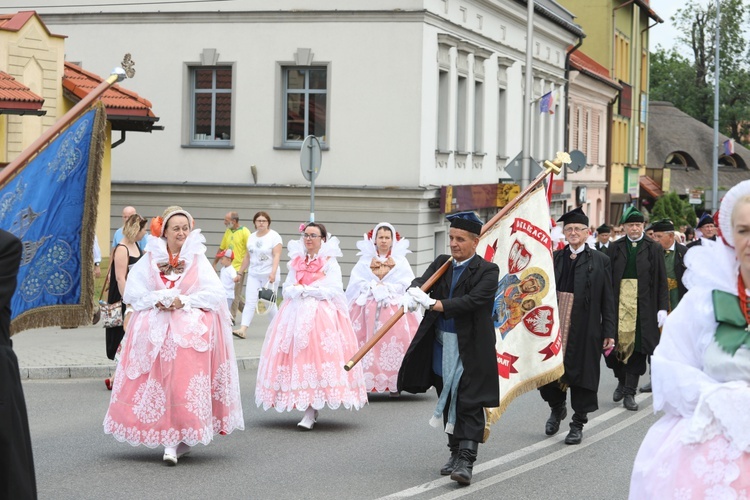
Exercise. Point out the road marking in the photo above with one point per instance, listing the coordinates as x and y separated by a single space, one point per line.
523 452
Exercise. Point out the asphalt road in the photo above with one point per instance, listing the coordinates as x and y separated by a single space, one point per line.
385 450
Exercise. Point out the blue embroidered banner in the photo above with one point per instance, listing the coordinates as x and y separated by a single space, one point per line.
50 204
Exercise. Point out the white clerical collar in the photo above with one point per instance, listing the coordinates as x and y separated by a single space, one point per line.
576 252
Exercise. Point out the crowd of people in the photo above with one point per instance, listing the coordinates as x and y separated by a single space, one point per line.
633 293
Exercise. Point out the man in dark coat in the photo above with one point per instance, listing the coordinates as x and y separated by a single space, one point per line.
17 479
674 260
603 234
454 347
639 278
586 274
707 226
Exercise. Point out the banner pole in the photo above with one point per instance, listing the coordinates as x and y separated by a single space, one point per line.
549 167
118 74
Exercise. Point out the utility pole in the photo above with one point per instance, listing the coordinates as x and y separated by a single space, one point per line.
715 159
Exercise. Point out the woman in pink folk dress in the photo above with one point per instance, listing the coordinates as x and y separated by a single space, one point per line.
176 384
377 283
311 338
700 447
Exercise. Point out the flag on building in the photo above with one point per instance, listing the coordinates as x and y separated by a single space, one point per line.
529 347
729 147
50 203
547 103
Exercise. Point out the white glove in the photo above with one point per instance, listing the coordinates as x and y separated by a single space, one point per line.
661 317
421 297
380 292
409 303
293 291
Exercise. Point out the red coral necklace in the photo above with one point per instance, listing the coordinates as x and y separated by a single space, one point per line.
742 294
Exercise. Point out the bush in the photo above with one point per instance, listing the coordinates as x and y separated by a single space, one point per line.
670 206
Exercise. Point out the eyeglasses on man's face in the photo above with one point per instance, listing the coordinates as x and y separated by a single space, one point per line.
570 229
309 236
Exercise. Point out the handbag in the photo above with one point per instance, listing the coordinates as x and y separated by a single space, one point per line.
266 299
111 314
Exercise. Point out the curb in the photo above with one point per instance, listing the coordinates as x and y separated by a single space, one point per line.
98 371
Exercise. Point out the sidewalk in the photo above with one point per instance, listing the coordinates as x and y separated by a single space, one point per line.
54 353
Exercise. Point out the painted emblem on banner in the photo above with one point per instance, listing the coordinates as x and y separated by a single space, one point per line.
518 258
539 321
516 296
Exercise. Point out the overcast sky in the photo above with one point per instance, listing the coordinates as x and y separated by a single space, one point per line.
664 34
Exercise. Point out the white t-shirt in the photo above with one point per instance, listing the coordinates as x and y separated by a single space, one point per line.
260 250
227 276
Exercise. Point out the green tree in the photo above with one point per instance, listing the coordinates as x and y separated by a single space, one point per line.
670 206
690 84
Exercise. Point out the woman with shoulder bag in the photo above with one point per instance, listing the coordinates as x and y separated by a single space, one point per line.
124 255
262 264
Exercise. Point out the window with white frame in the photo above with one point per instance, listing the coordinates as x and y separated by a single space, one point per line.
478 116
210 105
305 103
443 111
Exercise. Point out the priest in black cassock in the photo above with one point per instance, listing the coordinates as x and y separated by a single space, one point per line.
17 479
587 311
639 279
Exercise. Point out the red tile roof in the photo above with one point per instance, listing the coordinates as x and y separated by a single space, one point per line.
15 95
584 64
119 102
14 22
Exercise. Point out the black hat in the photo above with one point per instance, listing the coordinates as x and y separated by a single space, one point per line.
649 227
632 215
468 221
705 219
603 229
575 216
663 226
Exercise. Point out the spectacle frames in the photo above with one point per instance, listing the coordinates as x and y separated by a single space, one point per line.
310 236
261 220
574 229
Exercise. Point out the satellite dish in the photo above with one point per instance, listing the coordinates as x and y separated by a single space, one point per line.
577 161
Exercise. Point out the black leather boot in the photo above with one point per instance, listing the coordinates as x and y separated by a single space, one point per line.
631 384
467 455
557 415
618 394
646 387
576 428
450 465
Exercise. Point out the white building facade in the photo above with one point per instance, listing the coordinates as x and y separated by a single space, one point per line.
405 96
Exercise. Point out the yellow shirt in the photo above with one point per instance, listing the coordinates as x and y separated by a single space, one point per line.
236 239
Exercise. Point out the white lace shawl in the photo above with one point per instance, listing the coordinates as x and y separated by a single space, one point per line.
331 287
363 283
144 287
681 385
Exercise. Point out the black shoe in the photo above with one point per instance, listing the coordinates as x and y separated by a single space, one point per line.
629 402
618 394
450 465
462 473
575 435
646 387
553 422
